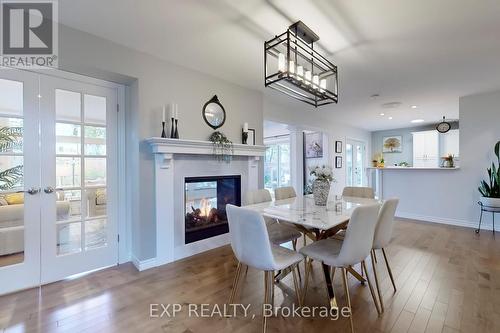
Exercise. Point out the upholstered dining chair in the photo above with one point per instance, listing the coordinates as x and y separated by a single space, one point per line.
354 249
278 233
251 246
286 192
382 237
359 192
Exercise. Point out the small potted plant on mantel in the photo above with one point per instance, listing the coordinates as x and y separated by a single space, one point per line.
490 190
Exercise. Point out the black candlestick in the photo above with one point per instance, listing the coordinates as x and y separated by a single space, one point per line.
172 134
244 137
163 134
176 134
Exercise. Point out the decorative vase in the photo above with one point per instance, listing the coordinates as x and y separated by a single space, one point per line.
490 202
321 188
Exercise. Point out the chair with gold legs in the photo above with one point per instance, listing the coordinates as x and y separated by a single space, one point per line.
353 250
251 246
279 233
383 234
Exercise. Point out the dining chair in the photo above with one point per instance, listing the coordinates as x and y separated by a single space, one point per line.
336 253
382 237
285 192
278 233
359 192
251 246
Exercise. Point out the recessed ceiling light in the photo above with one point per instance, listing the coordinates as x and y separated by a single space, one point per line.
382 114
417 121
390 118
414 106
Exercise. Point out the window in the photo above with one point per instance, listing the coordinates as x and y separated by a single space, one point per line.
277 162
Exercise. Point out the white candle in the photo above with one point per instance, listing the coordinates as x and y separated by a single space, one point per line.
281 62
245 127
172 110
163 118
176 111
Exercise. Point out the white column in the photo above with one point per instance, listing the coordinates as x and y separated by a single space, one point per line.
297 158
164 196
253 173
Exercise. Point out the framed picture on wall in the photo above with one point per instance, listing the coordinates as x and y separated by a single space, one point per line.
338 147
313 145
251 137
392 144
338 162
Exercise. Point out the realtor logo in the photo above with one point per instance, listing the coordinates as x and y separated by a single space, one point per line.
29 33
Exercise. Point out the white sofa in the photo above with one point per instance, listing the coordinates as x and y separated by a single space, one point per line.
12 226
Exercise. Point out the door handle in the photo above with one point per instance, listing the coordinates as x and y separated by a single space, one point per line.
50 189
31 190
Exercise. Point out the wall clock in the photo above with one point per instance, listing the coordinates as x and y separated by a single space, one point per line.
443 126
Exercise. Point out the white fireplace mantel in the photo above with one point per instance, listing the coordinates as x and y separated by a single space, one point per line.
168 147
169 193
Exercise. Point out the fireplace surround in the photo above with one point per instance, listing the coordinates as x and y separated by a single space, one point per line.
178 159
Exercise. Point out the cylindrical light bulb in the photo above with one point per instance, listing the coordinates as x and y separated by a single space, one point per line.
322 85
300 72
308 77
316 81
281 62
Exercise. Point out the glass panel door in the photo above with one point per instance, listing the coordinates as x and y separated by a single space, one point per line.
355 163
277 163
19 181
79 201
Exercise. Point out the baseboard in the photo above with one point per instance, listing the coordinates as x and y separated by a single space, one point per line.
444 220
142 265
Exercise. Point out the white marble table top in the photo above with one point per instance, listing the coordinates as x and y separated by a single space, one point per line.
302 210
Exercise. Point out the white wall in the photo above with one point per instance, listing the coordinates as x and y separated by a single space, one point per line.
307 119
151 83
451 196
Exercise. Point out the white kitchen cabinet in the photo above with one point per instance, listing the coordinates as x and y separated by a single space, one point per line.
426 149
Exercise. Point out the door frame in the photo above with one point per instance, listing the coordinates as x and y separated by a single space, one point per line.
124 222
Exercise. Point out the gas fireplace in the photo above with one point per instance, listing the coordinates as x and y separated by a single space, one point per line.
205 205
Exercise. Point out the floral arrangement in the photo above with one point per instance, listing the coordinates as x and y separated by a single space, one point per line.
322 173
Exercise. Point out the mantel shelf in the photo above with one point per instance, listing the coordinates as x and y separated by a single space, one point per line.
198 147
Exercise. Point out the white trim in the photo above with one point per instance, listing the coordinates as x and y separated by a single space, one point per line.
142 265
203 245
445 220
177 146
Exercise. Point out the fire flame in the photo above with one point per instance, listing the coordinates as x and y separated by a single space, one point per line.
205 207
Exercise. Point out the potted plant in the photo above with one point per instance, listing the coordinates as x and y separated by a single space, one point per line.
448 161
490 190
223 147
321 184
381 162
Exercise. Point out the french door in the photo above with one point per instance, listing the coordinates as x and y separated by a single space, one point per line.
355 156
67 151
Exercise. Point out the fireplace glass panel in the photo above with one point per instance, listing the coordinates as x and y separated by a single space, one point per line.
205 205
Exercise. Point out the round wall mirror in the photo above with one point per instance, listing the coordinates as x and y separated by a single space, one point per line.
213 112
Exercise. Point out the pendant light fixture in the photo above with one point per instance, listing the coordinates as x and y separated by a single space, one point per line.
293 67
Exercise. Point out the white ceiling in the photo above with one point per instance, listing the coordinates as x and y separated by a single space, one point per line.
425 53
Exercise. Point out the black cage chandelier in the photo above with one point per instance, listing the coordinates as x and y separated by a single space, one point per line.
293 67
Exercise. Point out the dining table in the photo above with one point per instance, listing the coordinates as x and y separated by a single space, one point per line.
316 222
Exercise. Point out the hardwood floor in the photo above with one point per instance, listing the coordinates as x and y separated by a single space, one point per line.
448 280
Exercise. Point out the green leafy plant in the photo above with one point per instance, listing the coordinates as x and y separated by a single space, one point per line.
491 189
10 178
10 138
223 147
